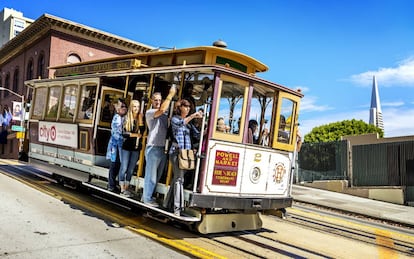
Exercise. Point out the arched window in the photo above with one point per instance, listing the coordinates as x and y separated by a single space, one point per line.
7 84
73 58
29 71
16 80
41 66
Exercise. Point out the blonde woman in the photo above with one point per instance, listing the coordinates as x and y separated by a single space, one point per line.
133 126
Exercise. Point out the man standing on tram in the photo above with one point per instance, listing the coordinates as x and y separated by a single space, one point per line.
155 157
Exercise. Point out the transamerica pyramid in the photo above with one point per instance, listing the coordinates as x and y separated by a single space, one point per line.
375 113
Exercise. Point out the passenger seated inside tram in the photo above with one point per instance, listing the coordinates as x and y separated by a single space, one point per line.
108 109
282 135
251 137
221 125
265 137
87 105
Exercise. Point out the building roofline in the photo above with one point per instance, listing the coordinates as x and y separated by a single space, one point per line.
47 23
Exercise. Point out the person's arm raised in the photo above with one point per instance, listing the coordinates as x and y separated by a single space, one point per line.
166 103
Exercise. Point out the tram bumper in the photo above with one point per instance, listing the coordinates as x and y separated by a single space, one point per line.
239 203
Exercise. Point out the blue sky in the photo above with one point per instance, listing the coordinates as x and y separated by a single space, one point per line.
329 49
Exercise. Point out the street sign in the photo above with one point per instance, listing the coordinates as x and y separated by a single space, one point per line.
18 128
20 135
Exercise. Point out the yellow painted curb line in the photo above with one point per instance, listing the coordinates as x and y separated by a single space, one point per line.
178 244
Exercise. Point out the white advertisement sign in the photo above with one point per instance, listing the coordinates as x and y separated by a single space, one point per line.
17 111
59 133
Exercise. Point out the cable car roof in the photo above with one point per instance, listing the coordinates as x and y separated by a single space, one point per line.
207 55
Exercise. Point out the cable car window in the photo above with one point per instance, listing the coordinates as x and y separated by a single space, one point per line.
69 102
110 99
230 107
88 96
285 125
39 102
197 89
53 102
261 109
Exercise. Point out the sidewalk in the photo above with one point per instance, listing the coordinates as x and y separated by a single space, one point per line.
37 225
376 209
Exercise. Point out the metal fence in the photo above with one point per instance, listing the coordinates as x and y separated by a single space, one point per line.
383 164
323 161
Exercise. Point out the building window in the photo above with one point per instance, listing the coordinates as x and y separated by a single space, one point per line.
41 66
18 26
73 58
29 73
16 80
7 85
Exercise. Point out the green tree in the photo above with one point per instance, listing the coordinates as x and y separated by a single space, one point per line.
334 131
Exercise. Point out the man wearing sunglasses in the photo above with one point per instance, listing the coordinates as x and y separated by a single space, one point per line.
155 157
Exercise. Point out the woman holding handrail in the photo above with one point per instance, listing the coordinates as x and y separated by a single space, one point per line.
181 140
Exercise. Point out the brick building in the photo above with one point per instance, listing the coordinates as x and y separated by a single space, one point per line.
50 41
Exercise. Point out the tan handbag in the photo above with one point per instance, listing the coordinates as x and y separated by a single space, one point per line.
186 159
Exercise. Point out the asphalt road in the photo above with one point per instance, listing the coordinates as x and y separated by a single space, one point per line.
36 225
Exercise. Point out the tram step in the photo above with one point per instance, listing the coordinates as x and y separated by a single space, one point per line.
154 210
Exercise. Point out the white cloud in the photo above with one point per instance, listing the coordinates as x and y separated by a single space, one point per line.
392 104
308 104
402 75
398 122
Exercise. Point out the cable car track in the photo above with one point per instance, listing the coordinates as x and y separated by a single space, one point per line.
264 243
364 230
270 246
252 246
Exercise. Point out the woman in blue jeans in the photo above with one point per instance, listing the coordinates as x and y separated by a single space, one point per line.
132 145
182 140
114 149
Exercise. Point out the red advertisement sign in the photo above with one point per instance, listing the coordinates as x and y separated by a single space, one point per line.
225 168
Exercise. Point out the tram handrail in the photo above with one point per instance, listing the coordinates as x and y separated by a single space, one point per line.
200 147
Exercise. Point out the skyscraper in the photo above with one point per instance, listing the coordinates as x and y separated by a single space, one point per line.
375 113
12 23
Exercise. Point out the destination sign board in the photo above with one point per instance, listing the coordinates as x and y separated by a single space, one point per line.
98 67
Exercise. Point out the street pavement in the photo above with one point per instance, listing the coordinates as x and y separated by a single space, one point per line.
368 207
36 225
